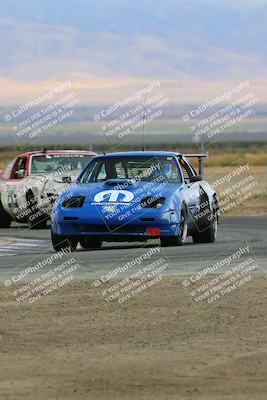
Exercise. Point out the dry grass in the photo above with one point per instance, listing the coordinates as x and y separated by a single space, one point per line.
234 158
160 346
6 157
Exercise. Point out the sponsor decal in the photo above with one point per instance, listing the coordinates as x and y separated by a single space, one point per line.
113 196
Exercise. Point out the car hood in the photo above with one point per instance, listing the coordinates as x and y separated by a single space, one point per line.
121 191
53 182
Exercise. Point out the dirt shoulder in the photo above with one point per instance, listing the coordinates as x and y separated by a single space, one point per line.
158 346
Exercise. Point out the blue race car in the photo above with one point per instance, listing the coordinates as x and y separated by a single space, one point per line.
136 196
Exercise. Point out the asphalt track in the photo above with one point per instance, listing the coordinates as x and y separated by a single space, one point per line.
20 247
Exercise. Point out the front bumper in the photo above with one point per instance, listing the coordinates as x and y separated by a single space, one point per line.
84 222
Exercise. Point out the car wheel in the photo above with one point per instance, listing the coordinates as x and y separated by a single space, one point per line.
35 219
36 223
5 218
60 242
209 234
90 243
181 238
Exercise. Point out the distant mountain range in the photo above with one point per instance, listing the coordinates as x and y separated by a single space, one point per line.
197 48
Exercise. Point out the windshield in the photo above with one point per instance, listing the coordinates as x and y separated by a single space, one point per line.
48 163
145 169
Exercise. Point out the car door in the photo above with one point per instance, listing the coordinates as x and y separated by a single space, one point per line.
5 179
12 178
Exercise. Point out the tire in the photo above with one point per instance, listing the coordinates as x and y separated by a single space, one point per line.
60 242
90 243
5 218
34 220
36 223
209 234
181 238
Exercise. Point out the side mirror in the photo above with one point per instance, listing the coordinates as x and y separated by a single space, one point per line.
195 178
20 173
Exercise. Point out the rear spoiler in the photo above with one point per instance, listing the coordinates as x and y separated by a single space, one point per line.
200 160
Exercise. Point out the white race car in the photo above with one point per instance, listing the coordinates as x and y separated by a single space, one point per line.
30 184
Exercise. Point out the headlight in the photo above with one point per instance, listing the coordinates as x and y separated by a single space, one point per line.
152 202
73 202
